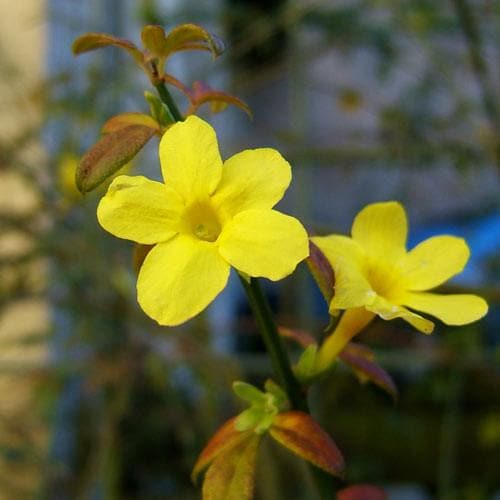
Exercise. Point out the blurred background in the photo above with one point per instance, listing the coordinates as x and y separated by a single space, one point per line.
369 101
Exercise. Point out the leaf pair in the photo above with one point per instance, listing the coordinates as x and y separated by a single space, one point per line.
230 456
357 356
158 45
264 406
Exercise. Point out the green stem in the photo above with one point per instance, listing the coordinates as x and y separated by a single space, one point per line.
283 369
168 101
274 344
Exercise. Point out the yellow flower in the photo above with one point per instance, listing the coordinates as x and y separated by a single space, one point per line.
66 169
206 217
374 272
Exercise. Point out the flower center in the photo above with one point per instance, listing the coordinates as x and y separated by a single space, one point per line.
203 221
385 280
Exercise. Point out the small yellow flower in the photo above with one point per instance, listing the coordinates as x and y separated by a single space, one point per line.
206 217
66 169
375 272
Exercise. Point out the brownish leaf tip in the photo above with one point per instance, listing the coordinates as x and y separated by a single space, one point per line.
302 435
321 271
125 119
224 439
192 36
202 93
303 338
362 361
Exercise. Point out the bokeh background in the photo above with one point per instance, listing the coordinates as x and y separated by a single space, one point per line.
369 100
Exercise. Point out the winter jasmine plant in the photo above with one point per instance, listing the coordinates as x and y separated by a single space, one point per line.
210 215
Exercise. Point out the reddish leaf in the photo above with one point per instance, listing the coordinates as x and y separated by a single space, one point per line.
125 119
302 337
177 83
231 476
224 439
301 434
93 41
361 492
362 361
192 37
202 93
321 271
109 154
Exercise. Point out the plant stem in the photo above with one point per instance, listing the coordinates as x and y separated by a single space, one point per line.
274 344
283 369
168 101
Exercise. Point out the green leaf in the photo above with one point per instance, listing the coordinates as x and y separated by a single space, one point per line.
321 271
264 406
362 361
249 393
279 395
125 119
223 440
109 154
94 41
305 367
231 476
249 418
302 435
159 110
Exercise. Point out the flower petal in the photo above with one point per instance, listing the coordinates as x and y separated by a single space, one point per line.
347 259
190 159
255 178
179 278
264 243
141 210
381 229
457 309
434 261
389 311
